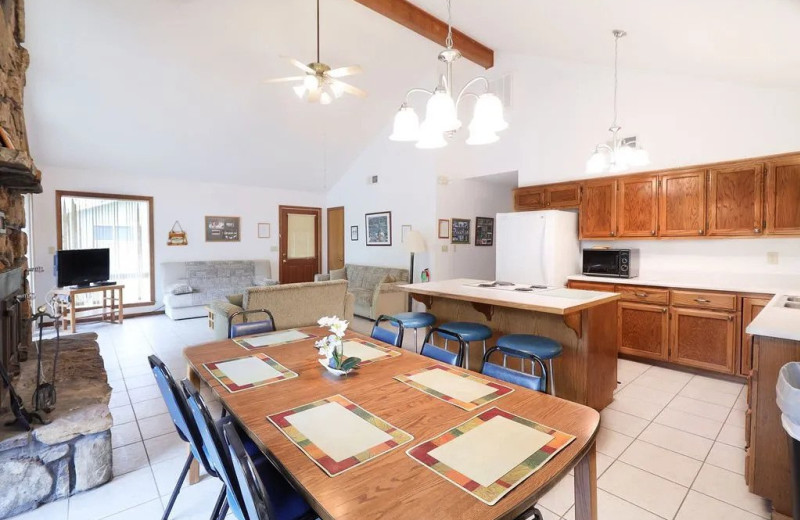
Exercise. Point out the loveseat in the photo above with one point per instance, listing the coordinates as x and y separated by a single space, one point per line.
292 305
375 288
187 287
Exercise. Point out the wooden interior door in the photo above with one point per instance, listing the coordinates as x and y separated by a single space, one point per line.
704 339
736 200
682 204
643 330
300 243
335 238
637 208
598 215
783 197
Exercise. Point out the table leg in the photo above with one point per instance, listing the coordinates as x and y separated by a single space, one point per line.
72 313
194 468
119 310
586 486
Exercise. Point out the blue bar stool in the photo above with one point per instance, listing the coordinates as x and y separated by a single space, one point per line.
530 344
469 332
415 320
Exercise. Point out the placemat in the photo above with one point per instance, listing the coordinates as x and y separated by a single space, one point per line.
454 386
368 351
337 434
248 372
272 339
490 454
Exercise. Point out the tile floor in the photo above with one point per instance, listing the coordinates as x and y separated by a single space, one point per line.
670 445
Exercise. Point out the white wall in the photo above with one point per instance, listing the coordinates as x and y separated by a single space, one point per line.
187 202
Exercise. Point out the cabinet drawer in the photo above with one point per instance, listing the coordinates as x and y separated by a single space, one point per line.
643 294
704 300
590 286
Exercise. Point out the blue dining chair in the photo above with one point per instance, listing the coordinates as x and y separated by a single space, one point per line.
440 354
184 423
389 336
534 382
247 328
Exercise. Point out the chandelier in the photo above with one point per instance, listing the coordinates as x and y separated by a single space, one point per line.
441 111
619 154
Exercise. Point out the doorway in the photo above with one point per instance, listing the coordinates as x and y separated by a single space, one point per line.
300 243
335 238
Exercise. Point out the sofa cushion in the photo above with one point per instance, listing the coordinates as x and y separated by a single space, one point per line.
181 300
363 296
214 280
339 274
180 288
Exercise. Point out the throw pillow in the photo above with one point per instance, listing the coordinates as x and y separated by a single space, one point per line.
180 288
339 274
236 299
263 281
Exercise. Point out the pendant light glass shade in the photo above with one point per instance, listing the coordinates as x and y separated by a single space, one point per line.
300 90
440 112
430 137
599 162
337 89
406 125
489 113
311 82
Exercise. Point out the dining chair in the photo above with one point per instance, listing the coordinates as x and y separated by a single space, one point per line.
389 336
266 495
440 354
184 423
532 381
250 327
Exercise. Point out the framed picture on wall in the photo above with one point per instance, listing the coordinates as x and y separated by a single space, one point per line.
223 229
484 231
460 230
379 228
444 228
264 230
354 233
403 232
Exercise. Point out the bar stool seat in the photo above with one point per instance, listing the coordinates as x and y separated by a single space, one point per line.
469 331
539 346
415 320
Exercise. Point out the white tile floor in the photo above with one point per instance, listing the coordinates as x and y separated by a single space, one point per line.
670 445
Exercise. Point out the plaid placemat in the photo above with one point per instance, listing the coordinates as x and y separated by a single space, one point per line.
273 339
278 373
499 390
391 436
504 444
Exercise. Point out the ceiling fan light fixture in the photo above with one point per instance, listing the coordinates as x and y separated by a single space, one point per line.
337 89
406 125
300 90
311 82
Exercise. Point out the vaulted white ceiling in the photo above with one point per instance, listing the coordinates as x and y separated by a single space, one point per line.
173 87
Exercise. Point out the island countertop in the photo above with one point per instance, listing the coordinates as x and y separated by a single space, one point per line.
559 301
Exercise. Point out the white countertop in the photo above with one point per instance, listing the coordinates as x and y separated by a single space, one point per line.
737 282
550 300
776 320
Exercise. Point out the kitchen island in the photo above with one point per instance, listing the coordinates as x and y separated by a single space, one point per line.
583 322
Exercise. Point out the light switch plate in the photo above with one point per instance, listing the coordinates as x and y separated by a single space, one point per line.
444 249
274 249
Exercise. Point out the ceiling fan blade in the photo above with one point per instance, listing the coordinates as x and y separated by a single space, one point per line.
313 95
283 80
350 89
300 65
344 71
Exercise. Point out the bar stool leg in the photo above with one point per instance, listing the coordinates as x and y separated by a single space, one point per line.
552 379
466 355
416 342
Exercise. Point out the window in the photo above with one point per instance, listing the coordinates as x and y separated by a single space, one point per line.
121 223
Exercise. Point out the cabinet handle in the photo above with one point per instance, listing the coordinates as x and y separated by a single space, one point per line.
757 230
641 294
653 233
699 231
730 318
664 310
613 233
702 300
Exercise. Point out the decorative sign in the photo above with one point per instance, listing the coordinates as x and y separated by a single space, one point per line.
444 228
223 229
264 230
379 228
484 231
354 233
177 236
460 230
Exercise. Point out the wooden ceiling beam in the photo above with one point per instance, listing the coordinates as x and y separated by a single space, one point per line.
425 24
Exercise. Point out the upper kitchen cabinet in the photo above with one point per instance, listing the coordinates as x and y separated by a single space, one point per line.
783 196
682 204
529 198
637 206
553 196
736 200
598 213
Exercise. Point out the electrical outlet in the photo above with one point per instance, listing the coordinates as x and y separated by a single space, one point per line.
51 250
772 257
444 249
274 249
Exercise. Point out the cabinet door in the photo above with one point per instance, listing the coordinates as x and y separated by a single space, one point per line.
735 200
643 330
703 339
528 198
637 207
750 309
783 197
599 209
682 204
564 195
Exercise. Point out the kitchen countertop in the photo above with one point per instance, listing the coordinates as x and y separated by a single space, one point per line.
776 320
737 282
549 300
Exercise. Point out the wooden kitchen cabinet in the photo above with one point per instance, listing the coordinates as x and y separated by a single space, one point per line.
751 307
552 196
682 204
637 206
529 198
736 200
704 339
783 197
590 286
598 212
643 330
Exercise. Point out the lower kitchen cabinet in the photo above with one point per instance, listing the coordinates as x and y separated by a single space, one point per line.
643 330
750 309
704 339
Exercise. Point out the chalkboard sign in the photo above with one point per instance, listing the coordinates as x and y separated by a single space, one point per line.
460 231
484 231
222 229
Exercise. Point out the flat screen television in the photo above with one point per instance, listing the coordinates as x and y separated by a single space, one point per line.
82 266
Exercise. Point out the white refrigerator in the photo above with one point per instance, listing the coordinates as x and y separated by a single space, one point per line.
537 247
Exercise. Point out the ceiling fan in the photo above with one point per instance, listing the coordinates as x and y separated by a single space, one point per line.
321 84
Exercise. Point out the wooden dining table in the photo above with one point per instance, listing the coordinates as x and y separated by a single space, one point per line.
394 485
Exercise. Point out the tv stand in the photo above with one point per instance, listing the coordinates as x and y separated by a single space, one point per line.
111 303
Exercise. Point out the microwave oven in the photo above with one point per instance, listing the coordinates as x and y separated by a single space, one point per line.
614 263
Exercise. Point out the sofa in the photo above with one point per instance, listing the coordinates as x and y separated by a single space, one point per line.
375 288
292 305
187 287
